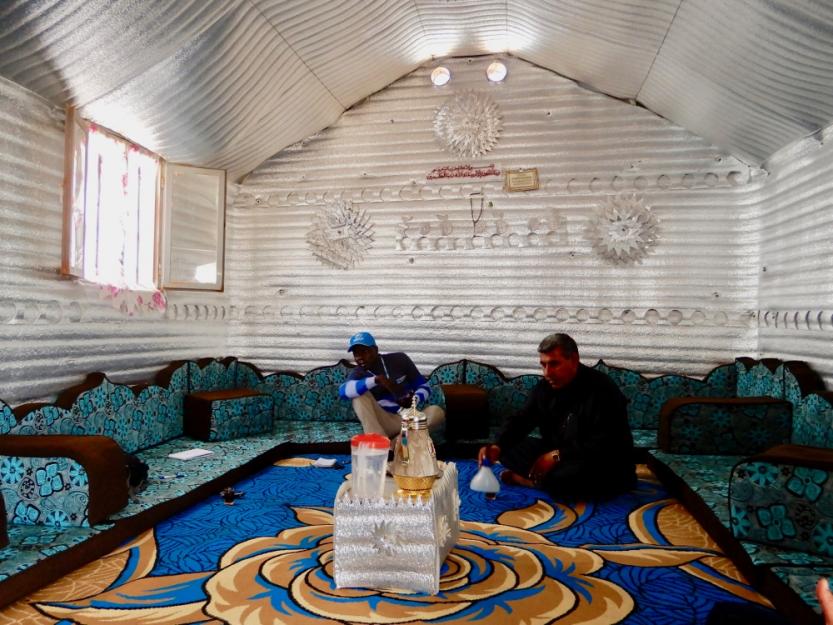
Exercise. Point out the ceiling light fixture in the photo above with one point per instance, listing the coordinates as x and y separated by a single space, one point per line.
440 76
496 71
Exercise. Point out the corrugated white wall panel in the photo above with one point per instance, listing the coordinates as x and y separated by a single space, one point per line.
54 331
796 292
442 295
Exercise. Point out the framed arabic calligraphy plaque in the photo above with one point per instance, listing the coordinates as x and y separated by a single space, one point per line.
521 180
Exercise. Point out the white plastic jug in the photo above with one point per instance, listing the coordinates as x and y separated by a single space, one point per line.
370 460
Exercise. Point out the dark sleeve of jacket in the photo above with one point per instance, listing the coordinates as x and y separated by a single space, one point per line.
598 444
518 426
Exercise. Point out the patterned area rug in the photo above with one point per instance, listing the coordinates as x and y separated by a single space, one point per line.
522 558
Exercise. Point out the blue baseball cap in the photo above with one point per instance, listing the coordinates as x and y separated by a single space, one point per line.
361 338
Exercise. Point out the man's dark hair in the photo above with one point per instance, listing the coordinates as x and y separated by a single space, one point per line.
564 342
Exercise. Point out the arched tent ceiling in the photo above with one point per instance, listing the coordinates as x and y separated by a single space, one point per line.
229 83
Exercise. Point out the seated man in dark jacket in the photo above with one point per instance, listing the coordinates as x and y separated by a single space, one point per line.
586 447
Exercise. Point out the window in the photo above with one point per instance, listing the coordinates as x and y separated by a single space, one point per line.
112 190
110 208
193 228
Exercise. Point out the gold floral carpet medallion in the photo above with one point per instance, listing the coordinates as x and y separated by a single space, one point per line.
639 558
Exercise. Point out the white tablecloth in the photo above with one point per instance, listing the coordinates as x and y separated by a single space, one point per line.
396 542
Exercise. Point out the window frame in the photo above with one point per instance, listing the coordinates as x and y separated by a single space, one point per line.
77 133
168 207
76 156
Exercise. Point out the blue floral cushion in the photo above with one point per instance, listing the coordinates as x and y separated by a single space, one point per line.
451 373
780 504
813 421
44 491
29 544
759 381
240 416
727 427
706 475
217 375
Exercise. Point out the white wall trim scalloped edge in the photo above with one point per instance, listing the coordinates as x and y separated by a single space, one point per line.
796 319
743 318
413 191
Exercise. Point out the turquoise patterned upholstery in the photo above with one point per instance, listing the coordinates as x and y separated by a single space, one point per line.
451 373
44 491
644 439
706 475
30 544
803 581
213 375
310 397
509 398
7 419
777 502
780 503
240 416
647 397
756 379
813 420
318 431
505 396
133 421
725 427
770 555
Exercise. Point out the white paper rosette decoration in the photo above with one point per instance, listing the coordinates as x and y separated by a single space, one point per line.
340 234
468 124
623 230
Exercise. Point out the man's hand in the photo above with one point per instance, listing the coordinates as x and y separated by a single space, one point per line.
825 598
492 452
405 400
543 465
392 387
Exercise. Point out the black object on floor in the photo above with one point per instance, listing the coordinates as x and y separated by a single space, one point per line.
730 613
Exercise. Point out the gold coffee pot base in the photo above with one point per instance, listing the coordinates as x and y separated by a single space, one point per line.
414 486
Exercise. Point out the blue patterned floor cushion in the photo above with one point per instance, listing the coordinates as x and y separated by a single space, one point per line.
223 415
706 475
784 498
732 425
645 439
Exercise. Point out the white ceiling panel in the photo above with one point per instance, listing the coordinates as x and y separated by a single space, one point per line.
752 75
78 50
609 45
354 47
229 99
229 83
463 27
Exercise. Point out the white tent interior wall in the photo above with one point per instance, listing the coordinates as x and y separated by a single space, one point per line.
742 264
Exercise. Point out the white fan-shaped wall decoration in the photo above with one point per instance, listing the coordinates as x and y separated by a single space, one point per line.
623 230
340 234
468 124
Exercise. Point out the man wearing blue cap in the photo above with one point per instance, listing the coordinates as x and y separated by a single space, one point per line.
381 384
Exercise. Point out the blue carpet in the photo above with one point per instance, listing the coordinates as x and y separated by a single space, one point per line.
637 559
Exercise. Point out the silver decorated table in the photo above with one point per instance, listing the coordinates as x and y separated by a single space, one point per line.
396 542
